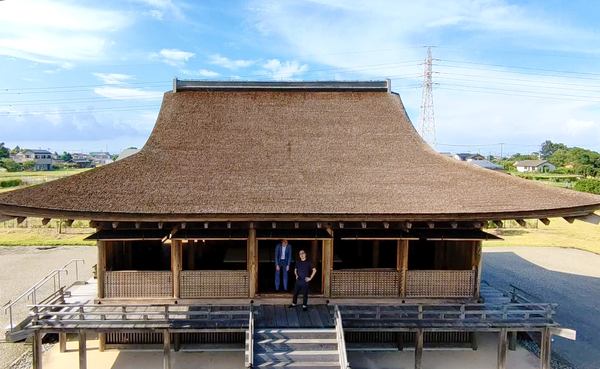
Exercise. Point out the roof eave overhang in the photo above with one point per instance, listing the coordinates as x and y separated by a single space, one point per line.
21 211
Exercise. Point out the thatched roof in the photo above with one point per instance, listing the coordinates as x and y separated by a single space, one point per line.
295 153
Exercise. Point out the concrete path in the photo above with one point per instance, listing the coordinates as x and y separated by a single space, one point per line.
568 277
20 268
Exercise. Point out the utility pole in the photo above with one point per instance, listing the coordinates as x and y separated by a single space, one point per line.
501 150
427 119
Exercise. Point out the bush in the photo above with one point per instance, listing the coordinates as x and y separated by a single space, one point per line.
10 165
10 183
588 185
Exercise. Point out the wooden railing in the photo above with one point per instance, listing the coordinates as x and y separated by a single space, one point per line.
341 341
365 283
213 283
135 284
448 313
440 283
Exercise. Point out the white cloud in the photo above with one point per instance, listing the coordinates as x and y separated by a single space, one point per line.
51 32
227 63
285 70
208 73
125 93
113 78
160 9
175 57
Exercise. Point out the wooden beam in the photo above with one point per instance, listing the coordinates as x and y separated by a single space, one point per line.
101 267
45 221
252 256
569 219
166 349
82 350
403 261
502 346
21 219
545 349
176 266
37 349
62 342
521 222
418 348
546 221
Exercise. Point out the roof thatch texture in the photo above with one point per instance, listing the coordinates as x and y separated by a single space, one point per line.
240 154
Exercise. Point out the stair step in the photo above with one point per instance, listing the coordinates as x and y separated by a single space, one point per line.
297 365
284 357
296 341
274 334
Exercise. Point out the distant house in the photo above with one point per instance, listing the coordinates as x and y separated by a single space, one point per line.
42 159
127 152
467 156
100 158
486 164
534 166
81 160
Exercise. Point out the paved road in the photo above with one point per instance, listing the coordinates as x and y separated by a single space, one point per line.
568 277
21 267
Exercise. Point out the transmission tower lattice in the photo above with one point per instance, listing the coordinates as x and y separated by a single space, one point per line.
427 119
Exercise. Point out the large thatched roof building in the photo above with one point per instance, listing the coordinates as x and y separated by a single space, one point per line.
329 151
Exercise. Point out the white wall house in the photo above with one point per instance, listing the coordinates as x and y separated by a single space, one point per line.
534 166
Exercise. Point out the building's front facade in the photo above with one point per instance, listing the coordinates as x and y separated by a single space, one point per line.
336 168
525 166
42 159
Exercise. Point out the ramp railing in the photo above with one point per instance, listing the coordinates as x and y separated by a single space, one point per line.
339 333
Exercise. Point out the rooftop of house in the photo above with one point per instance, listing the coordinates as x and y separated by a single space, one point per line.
290 150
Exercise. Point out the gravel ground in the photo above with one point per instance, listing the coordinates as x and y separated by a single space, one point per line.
568 277
20 268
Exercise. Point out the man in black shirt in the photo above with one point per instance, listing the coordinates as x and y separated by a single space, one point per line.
304 272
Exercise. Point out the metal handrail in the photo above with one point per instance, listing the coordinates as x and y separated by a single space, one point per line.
515 297
339 332
31 293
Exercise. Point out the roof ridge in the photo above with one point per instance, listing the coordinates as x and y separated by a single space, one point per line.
355 86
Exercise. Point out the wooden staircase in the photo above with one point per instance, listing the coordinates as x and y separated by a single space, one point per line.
296 348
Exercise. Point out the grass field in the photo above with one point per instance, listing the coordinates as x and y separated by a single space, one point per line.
32 178
33 233
559 233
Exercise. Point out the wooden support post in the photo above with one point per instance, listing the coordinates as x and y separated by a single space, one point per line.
477 262
176 247
502 346
101 342
545 349
176 342
62 342
82 350
512 341
101 267
327 266
37 350
252 259
166 349
402 264
314 254
418 348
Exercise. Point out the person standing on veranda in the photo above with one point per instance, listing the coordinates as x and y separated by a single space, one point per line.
283 259
304 272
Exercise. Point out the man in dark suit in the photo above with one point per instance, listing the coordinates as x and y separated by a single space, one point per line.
283 259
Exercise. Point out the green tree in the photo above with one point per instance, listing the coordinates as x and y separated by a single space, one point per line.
548 148
10 165
15 150
66 156
29 165
4 151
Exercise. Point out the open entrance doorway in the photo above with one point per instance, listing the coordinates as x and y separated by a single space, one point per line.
266 265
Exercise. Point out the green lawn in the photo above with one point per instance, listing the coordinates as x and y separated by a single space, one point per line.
32 178
33 233
559 233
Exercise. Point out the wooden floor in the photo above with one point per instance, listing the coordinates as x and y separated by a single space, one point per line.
282 316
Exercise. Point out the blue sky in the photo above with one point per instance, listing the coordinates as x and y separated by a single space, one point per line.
88 76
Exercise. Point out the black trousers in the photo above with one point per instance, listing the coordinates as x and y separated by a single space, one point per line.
301 287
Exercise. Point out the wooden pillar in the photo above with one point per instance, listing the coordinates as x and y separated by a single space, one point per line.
82 350
252 260
101 342
166 349
62 342
545 349
502 346
176 342
400 340
314 254
402 264
474 344
476 265
37 349
176 247
418 348
101 267
375 255
512 341
327 266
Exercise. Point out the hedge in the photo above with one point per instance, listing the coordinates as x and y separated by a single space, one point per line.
588 185
11 183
